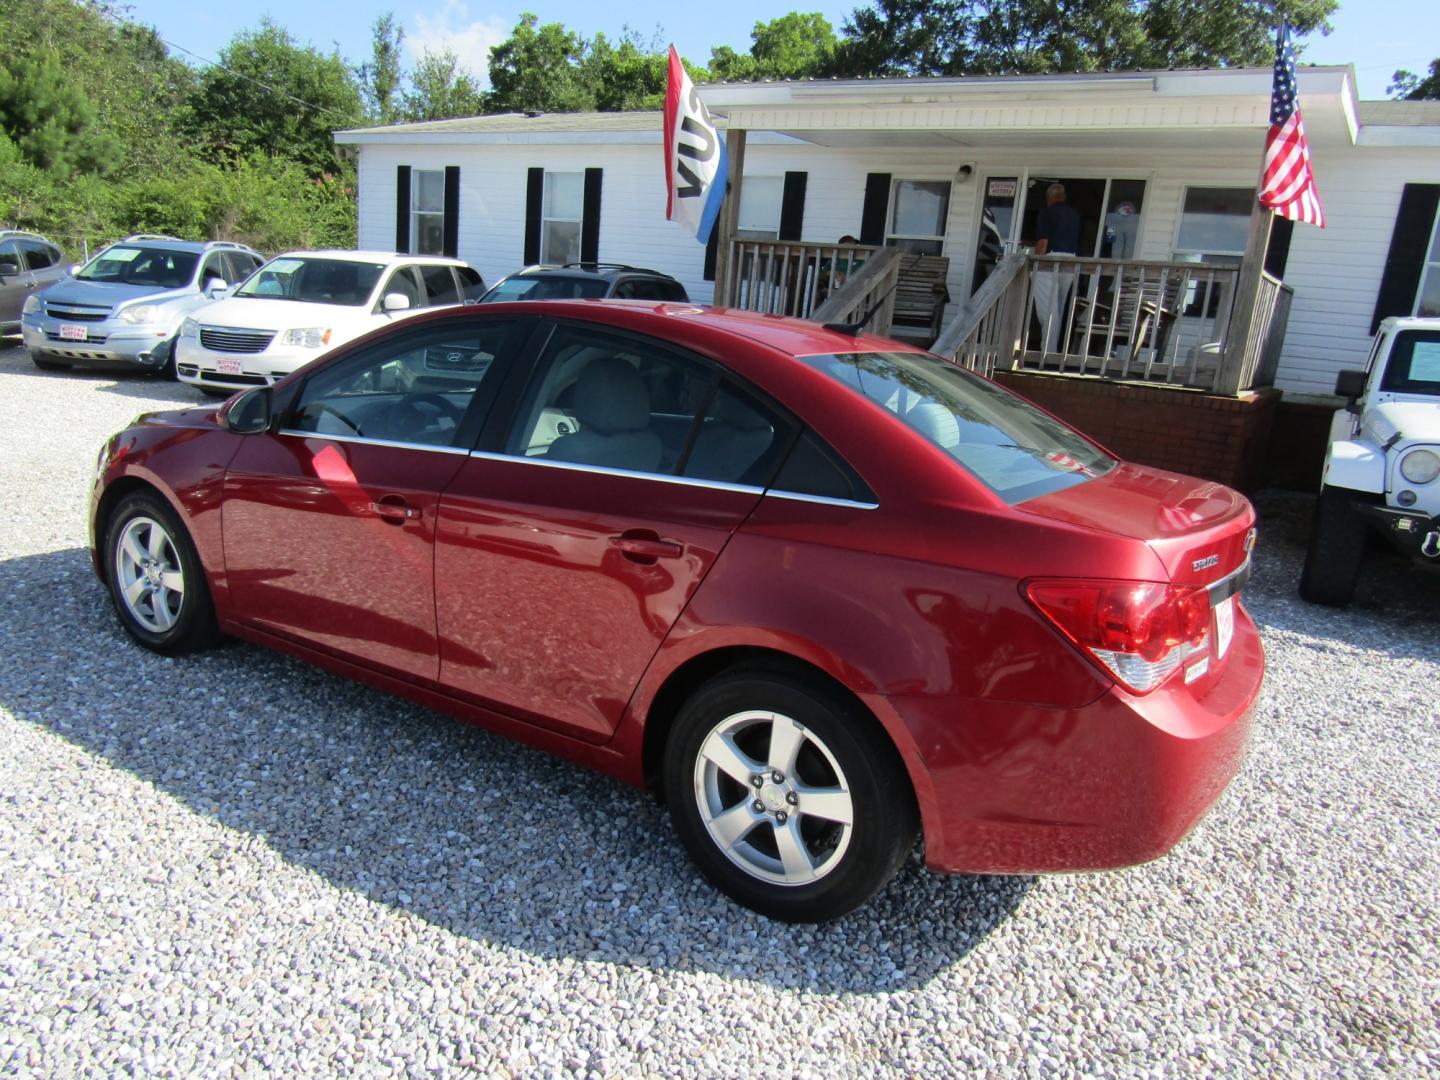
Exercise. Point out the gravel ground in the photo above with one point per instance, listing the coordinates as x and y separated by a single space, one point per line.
236 865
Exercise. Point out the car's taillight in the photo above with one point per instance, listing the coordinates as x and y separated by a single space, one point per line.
1141 632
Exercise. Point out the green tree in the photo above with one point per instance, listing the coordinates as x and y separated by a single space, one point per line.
273 96
1406 84
794 46
1009 37
50 120
631 75
380 76
539 69
441 89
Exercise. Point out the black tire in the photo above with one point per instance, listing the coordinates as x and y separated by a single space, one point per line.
850 863
47 365
177 624
1336 550
219 395
167 369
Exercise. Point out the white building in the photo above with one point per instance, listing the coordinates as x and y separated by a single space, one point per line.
1163 161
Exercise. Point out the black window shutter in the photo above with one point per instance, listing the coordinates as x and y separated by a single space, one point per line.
792 206
877 201
590 221
1414 225
712 248
451 243
402 208
1277 252
534 198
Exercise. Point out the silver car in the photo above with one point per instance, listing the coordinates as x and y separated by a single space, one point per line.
125 305
28 263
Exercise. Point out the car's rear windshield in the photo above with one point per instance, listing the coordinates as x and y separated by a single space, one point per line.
314 281
547 287
1414 364
1012 447
132 264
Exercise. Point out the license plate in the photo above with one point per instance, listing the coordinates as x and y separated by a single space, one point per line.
1224 625
227 365
73 332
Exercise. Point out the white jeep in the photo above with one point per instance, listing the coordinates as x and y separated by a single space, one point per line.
1382 470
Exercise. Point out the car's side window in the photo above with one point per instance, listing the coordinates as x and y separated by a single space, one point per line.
627 290
813 468
415 387
240 265
439 285
37 256
403 281
472 285
214 269
612 401
739 440
9 258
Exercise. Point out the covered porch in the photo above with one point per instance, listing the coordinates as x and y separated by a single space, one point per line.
934 187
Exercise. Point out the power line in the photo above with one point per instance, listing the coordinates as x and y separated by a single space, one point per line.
238 74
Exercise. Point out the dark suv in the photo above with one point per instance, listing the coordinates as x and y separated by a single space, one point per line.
587 281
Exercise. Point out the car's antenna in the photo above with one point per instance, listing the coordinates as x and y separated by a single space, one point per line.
852 329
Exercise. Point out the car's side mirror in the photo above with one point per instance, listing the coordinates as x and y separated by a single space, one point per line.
395 301
248 414
9 269
72 269
215 287
1351 386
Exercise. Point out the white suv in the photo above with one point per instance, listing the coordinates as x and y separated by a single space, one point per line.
1382 469
300 304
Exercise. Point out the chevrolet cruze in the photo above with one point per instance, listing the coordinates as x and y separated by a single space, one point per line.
821 592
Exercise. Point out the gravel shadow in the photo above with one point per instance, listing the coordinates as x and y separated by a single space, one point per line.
463 829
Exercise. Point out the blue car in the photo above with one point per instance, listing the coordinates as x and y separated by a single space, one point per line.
125 305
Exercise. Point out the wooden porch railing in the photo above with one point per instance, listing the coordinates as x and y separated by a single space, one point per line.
790 277
873 283
1152 321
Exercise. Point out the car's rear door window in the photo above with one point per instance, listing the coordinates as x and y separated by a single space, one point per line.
38 256
439 285
1015 449
472 285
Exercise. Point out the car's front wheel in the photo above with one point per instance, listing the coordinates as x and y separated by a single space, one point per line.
788 796
156 578
1336 550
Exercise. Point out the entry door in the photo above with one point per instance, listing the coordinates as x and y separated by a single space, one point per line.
564 557
329 524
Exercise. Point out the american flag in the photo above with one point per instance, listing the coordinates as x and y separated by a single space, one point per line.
1288 184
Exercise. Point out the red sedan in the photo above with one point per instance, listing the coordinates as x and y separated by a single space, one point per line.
822 592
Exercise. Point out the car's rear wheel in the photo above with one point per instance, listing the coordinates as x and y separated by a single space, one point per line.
1336 550
156 579
47 365
788 796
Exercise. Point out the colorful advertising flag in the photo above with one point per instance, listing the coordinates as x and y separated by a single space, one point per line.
695 163
1288 184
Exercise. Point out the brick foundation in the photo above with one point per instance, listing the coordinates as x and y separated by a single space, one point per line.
1189 431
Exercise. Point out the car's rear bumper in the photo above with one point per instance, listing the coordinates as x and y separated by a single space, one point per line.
1018 789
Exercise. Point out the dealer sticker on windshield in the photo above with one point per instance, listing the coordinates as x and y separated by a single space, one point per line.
1224 625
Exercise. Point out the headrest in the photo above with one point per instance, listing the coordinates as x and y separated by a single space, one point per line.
936 423
610 397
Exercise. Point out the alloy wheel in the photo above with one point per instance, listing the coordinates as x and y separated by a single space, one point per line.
151 580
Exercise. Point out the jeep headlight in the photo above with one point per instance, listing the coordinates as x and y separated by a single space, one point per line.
1420 466
140 313
32 305
311 338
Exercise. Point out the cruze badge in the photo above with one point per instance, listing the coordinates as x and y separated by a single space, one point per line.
1205 563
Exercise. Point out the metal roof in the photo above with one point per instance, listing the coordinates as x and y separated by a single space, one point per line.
514 123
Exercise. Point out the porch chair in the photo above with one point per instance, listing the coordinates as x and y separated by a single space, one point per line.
920 298
1141 310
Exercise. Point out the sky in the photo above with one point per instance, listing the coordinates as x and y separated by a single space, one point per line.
1377 36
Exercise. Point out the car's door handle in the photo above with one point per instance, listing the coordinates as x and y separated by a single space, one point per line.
394 510
644 547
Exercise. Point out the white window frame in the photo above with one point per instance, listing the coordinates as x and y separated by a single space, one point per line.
763 231
1178 253
945 222
417 215
546 220
1429 265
